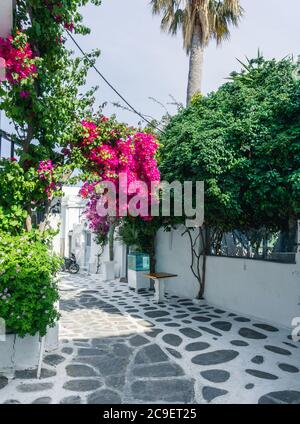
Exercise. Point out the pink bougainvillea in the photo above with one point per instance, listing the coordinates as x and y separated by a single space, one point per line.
46 173
20 63
120 155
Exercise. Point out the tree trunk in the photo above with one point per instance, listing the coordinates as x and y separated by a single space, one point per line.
196 65
111 235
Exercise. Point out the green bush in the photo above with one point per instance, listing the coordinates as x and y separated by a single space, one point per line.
28 289
243 141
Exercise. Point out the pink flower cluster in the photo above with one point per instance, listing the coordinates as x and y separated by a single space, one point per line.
19 59
46 174
112 153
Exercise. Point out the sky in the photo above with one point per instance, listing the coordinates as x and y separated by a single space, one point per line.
143 62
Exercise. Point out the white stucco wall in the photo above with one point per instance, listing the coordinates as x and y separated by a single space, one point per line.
265 290
71 222
6 17
173 256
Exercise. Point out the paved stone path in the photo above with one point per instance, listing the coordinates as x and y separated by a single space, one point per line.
117 346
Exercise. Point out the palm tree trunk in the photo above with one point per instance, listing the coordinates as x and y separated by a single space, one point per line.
196 65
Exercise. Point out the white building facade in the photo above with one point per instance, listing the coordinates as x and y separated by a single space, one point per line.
76 237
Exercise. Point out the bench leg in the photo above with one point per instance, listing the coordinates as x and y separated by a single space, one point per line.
159 290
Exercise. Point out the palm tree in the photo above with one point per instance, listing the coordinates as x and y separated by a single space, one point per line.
200 21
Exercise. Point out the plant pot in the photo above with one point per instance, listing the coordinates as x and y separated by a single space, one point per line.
108 270
52 336
18 353
137 280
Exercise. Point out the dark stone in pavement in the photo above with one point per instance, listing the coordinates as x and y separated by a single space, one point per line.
82 385
251 334
156 314
172 390
239 343
288 368
192 347
30 374
138 340
104 396
210 393
70 400
242 319
42 401
249 386
278 350
174 353
216 376
262 374
121 350
158 371
266 327
210 331
222 325
34 387
107 365
67 350
153 333
190 332
172 339
11 402
216 357
150 354
116 382
258 359
91 352
201 319
80 371
53 359
281 397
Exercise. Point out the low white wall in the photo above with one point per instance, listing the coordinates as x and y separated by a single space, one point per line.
173 255
265 290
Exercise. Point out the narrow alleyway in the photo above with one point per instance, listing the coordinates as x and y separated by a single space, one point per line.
120 347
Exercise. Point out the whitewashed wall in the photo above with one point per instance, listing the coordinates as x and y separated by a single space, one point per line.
119 258
6 17
73 227
265 290
173 255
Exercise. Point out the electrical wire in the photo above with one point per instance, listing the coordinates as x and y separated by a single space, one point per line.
109 84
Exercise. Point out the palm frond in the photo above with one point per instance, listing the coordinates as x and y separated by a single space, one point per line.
211 18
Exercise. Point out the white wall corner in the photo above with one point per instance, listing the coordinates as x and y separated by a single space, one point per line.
6 17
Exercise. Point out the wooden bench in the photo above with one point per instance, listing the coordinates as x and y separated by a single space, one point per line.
159 284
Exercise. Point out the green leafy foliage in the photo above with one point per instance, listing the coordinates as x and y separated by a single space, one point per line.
55 99
28 290
243 141
21 192
139 235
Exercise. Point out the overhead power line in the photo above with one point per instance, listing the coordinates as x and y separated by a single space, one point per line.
109 84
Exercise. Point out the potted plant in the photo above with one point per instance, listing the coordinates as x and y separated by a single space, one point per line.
139 236
28 297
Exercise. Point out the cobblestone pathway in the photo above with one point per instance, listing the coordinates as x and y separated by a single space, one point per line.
116 346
